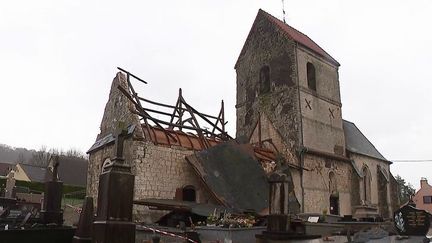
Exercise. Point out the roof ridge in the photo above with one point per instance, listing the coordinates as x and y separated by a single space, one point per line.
301 33
348 121
32 165
367 139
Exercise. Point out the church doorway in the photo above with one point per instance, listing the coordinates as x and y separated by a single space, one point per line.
334 195
334 204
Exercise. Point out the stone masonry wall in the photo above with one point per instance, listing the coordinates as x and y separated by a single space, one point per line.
267 46
159 171
383 204
321 109
394 193
316 184
372 164
118 109
162 170
355 190
271 139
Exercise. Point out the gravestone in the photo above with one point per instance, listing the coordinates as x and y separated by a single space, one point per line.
83 234
113 222
280 227
409 220
10 185
52 212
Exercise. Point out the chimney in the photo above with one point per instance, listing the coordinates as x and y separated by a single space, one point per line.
423 182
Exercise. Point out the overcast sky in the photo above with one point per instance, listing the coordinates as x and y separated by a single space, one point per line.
58 58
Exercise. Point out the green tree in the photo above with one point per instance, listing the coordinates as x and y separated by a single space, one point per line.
405 189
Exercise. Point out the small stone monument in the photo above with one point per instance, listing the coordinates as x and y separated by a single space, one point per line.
10 185
83 234
280 227
279 218
52 212
113 222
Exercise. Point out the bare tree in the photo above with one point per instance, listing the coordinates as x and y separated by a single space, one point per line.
406 190
41 157
20 158
72 152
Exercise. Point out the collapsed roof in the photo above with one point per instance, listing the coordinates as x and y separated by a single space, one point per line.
181 116
233 174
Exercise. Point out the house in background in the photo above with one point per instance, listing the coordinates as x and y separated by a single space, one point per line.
30 173
423 197
72 171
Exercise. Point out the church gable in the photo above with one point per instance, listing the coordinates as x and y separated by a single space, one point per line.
267 81
118 109
275 24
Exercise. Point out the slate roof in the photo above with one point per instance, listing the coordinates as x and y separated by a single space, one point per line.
233 174
34 173
72 171
357 142
298 37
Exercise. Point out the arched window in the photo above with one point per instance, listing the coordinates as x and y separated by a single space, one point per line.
189 194
366 185
264 80
332 183
311 79
106 164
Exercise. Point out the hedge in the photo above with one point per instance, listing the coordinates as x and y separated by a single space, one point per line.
40 187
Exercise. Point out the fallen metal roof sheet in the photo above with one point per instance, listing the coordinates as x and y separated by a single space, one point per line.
233 174
202 209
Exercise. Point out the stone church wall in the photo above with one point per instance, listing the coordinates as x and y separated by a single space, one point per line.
394 193
267 46
316 184
372 165
321 109
159 171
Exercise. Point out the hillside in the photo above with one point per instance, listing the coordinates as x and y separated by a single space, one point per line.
13 155
40 157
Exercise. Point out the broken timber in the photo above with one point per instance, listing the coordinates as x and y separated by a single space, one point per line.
181 116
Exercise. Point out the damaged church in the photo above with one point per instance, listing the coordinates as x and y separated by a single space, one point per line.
289 117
